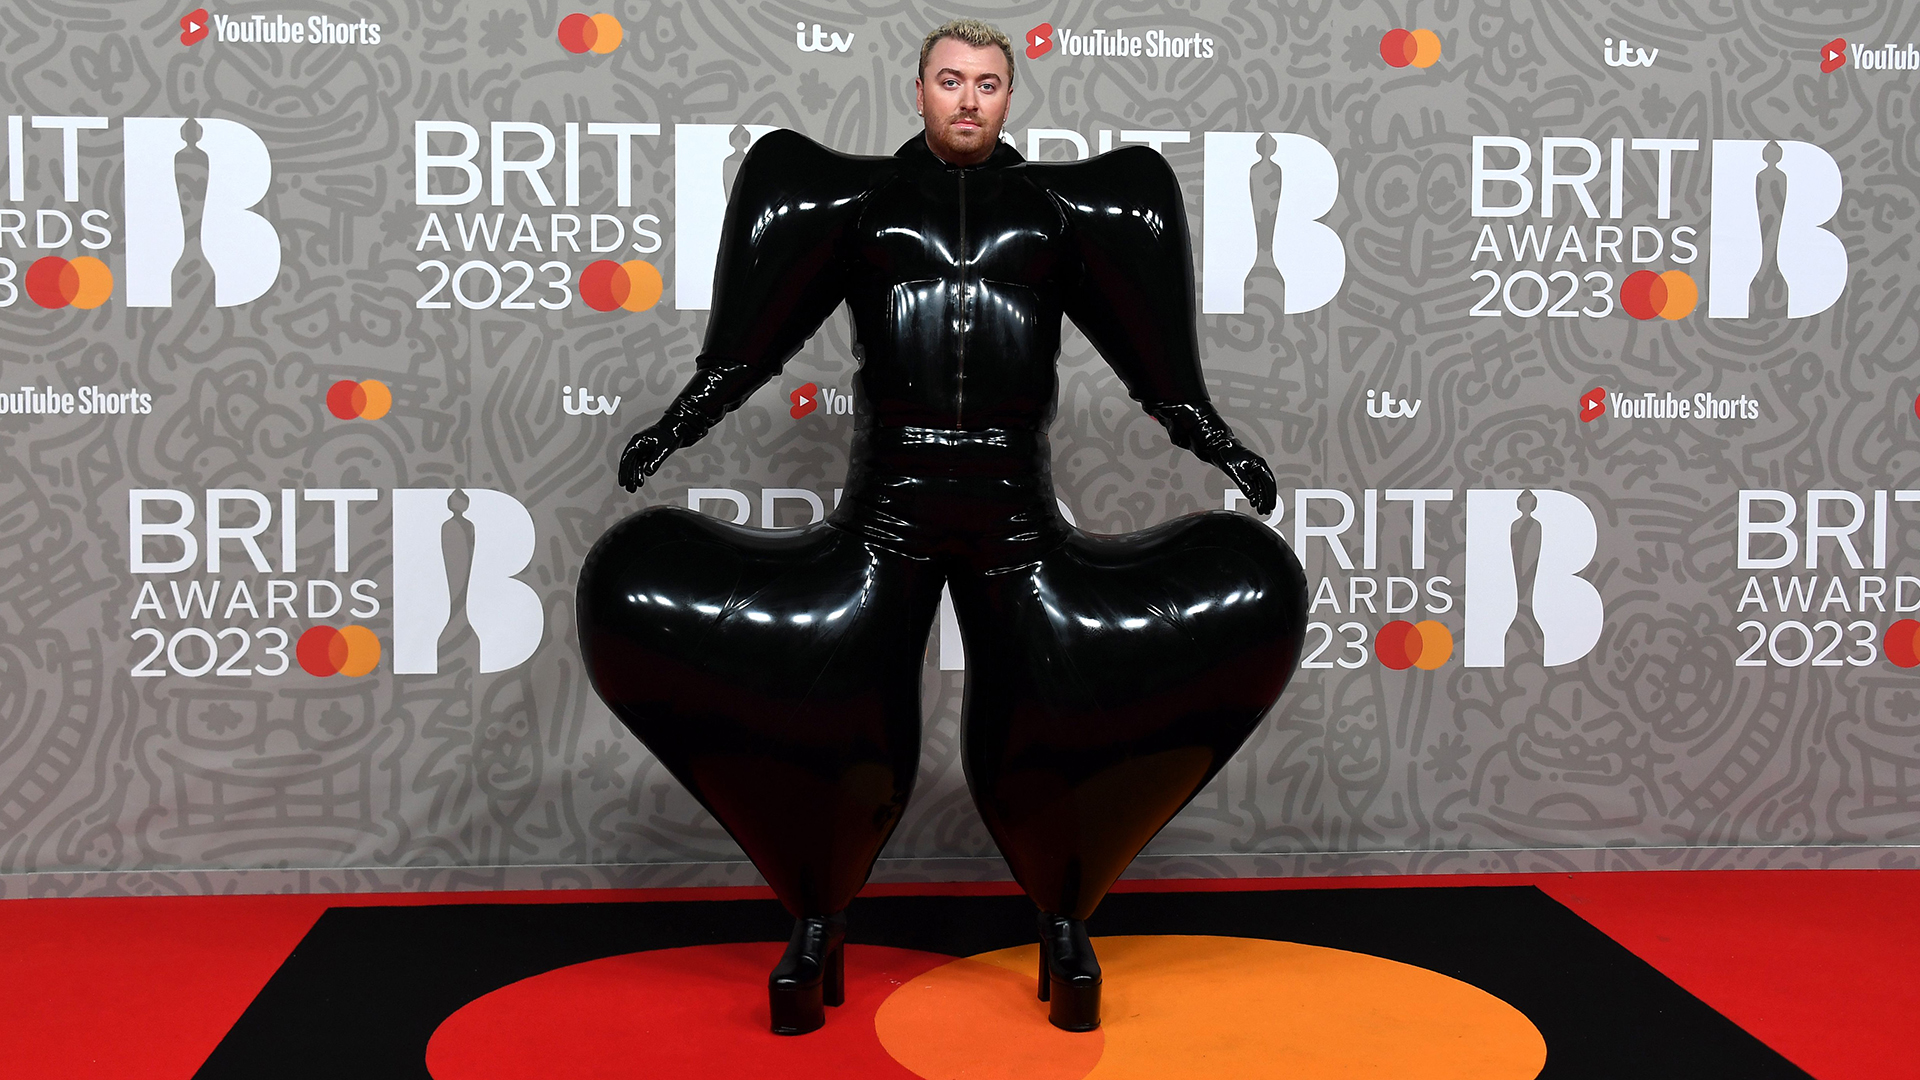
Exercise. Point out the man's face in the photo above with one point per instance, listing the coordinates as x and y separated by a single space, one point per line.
962 93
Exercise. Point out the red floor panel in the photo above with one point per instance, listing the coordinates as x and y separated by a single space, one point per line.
1822 965
1819 964
134 988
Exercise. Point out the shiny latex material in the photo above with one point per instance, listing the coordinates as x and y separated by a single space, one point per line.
1110 680
956 279
777 674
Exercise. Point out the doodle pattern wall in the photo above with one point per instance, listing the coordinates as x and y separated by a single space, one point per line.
1581 350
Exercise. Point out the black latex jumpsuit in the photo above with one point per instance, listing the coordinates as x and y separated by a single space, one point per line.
777 674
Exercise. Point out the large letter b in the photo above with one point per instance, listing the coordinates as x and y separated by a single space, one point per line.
1309 255
1567 607
505 613
242 247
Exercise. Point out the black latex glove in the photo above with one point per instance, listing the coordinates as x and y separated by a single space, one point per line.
1251 472
714 389
645 453
1200 429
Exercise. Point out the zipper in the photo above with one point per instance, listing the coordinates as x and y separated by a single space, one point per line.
966 307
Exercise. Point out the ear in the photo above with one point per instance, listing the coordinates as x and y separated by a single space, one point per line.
919 98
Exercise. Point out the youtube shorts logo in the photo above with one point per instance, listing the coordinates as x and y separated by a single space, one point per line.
193 26
1833 55
1039 41
1593 404
805 400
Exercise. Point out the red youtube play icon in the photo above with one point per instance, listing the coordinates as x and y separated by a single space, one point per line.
193 26
805 400
1592 404
1040 41
1833 55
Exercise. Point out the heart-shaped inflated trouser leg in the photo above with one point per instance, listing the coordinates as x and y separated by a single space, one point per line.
1110 680
776 674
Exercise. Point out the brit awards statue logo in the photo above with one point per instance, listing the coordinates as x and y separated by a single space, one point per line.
240 245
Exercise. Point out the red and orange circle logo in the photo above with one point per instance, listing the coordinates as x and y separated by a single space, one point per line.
1902 643
1420 48
1671 295
54 282
590 33
346 650
1425 645
367 400
635 286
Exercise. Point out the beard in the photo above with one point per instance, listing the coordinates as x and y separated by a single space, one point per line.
950 141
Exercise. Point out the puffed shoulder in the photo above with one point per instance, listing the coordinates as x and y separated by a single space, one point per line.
1119 182
785 166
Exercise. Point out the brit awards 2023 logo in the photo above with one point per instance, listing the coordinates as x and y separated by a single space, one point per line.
1375 595
526 258
1819 579
241 247
1603 260
224 591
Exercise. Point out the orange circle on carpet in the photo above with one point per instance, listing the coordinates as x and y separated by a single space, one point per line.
1179 1006
695 1011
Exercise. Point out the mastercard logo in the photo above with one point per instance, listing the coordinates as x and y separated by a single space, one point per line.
368 400
590 33
348 650
1419 48
1671 295
1425 645
1902 643
54 282
635 286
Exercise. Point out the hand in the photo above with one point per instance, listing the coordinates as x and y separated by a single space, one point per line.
1250 471
644 455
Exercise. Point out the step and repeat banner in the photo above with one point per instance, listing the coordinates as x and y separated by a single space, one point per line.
1582 351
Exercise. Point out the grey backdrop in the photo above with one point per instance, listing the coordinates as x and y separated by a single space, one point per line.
1655 748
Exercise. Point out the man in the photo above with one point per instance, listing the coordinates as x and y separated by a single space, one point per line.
963 90
777 674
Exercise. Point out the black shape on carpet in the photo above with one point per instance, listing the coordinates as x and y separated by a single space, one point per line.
362 993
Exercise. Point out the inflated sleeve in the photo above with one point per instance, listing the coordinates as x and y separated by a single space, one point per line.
778 275
1133 295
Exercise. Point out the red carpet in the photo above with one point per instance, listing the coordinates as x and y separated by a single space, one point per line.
1820 965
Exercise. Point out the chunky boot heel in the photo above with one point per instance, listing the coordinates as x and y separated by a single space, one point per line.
810 976
796 1010
1074 1006
1069 974
833 984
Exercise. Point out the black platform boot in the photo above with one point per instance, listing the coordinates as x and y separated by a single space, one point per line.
1069 974
810 976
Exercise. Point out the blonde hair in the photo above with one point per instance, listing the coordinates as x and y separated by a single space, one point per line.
974 33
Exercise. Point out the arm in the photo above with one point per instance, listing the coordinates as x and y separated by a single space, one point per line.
1134 301
777 278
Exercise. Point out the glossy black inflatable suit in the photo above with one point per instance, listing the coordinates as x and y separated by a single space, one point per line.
777 674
